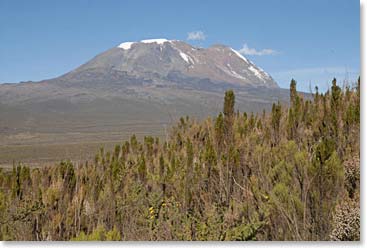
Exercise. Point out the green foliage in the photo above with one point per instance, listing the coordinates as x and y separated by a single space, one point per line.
244 232
229 101
99 234
228 111
219 129
293 92
276 114
113 235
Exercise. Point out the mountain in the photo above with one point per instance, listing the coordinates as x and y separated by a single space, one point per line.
135 87
172 62
152 63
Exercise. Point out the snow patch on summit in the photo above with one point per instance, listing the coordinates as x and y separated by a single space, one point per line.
158 41
126 45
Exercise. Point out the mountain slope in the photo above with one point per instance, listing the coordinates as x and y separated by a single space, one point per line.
136 87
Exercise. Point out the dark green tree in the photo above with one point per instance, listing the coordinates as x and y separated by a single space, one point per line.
228 111
276 115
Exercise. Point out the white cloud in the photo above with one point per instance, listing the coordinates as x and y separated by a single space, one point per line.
245 50
196 35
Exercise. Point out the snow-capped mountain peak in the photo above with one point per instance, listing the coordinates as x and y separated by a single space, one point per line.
127 45
218 63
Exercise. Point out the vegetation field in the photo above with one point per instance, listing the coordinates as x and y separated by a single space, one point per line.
292 173
46 152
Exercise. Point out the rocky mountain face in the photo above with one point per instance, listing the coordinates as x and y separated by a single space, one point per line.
151 82
170 62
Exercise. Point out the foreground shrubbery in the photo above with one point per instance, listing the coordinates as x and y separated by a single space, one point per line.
292 174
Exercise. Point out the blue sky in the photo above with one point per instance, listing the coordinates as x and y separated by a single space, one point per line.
311 41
